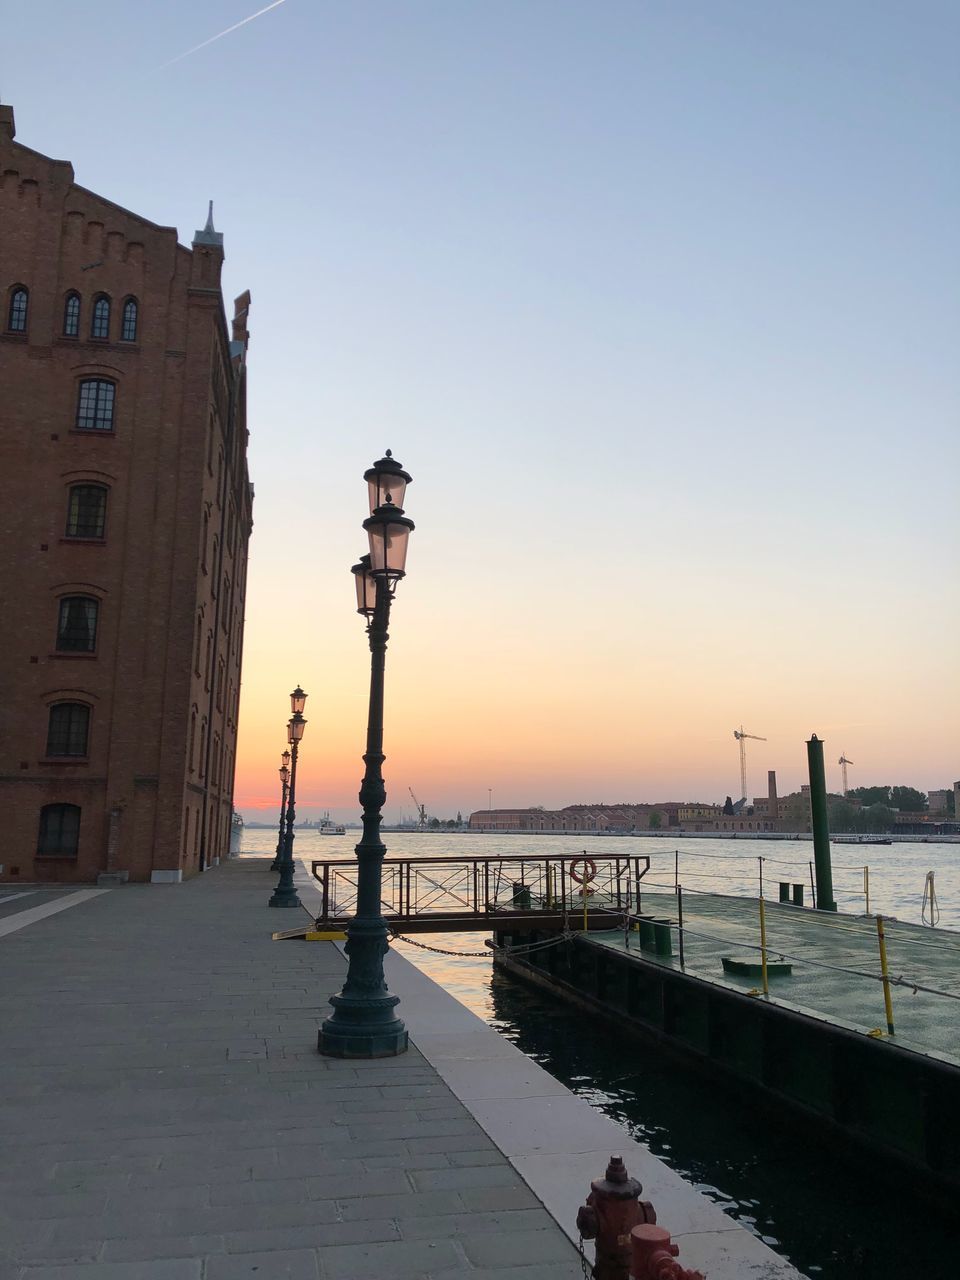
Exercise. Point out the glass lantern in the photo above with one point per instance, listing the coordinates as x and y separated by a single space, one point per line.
388 530
386 482
366 586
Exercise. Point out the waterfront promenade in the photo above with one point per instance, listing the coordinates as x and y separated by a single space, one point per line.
166 1116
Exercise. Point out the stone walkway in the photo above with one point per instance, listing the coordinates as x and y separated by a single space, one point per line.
164 1114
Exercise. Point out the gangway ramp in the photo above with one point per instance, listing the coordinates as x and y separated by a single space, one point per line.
436 895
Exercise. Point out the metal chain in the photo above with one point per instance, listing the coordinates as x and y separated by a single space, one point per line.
587 1268
443 951
440 951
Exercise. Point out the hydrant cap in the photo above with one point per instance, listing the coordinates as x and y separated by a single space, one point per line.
616 1170
617 1189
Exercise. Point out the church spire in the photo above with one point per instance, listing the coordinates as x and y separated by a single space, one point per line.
209 235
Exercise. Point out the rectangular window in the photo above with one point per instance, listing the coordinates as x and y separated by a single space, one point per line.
67 729
77 625
95 407
87 511
59 835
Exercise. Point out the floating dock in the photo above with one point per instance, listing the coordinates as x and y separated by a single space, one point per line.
817 1041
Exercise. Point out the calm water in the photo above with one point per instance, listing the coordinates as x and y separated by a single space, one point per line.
831 1219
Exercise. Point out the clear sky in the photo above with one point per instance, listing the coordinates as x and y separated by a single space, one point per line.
657 301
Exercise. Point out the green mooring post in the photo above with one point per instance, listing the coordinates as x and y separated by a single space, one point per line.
821 830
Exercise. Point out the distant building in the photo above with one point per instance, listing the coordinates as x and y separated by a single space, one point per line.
937 800
127 512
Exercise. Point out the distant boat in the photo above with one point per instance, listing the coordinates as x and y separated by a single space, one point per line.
327 828
236 833
861 839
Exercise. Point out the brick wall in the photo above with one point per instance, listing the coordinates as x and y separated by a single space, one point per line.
174 468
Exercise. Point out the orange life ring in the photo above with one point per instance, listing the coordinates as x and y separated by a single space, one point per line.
589 870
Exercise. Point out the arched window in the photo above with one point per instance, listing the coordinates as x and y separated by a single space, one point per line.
128 327
71 315
17 316
68 729
202 767
196 656
59 835
100 323
193 739
95 405
77 624
87 511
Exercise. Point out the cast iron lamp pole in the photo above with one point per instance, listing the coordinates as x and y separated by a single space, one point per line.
284 895
284 779
364 1023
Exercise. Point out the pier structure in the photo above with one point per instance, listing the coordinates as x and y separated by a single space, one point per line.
166 1115
849 1021
804 1010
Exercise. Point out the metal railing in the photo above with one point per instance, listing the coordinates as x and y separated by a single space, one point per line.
482 889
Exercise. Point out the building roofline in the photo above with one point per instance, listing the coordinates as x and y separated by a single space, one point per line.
137 217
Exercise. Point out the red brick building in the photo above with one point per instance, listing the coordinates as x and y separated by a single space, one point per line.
125 508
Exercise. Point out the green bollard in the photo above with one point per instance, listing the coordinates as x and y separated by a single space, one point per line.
662 940
818 820
645 929
521 895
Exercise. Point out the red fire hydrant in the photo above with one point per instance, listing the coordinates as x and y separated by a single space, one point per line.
613 1207
654 1257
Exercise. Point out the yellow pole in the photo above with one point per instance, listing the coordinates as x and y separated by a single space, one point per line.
763 949
866 887
888 1003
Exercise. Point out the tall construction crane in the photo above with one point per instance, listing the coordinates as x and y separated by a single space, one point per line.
421 811
739 734
843 762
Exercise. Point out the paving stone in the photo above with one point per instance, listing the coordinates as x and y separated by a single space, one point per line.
279 1190
495 1175
74 1204
450 1225
158 1199
285 1264
412 1205
176 1246
473 1140
518 1248
166 1269
549 1271
408 1162
414 1258
481 1199
368 1231
468 1159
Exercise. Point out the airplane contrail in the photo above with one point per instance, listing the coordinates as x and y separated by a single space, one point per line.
220 34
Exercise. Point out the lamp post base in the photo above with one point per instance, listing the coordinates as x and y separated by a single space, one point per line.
355 1045
362 1029
285 898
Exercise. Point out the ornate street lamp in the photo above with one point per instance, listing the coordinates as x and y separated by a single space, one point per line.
284 895
364 1023
284 779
